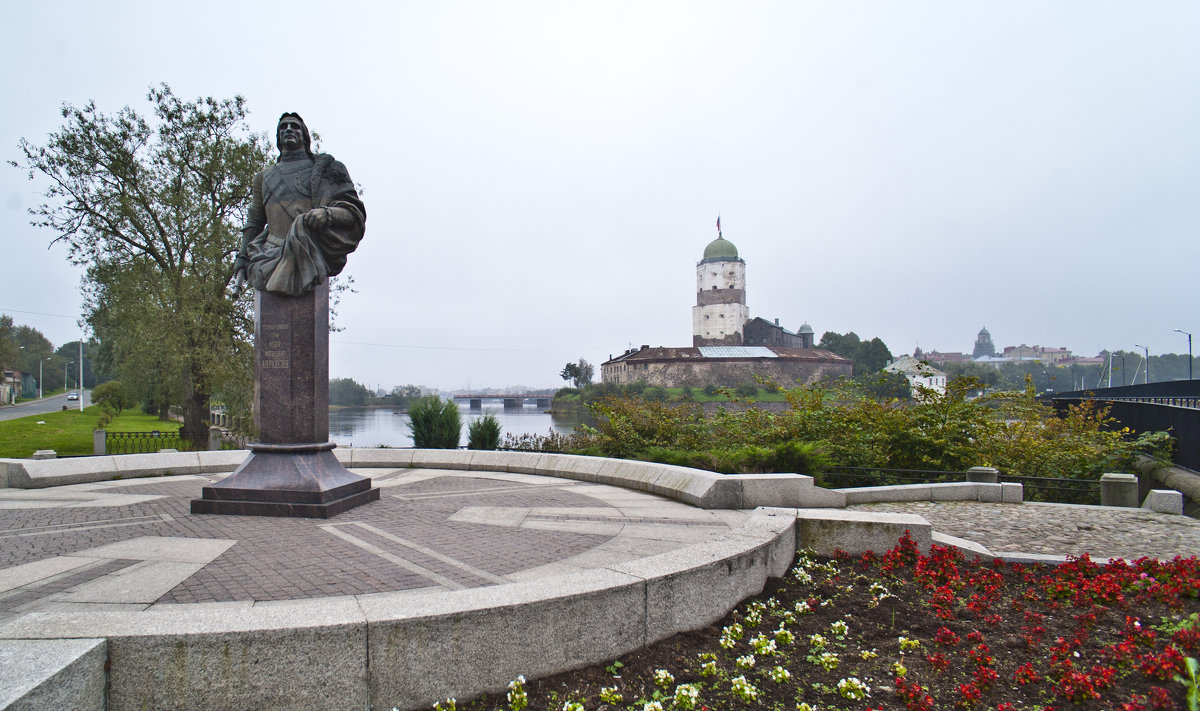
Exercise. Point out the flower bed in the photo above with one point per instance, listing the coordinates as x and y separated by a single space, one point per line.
914 632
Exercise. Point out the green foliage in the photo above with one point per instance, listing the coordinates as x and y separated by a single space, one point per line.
579 373
885 386
113 395
152 207
843 423
746 390
868 356
347 392
107 415
9 352
792 457
400 397
69 432
483 433
435 423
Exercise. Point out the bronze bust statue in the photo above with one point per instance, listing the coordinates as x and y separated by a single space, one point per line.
304 218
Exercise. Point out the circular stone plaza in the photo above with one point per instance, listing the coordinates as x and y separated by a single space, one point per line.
471 568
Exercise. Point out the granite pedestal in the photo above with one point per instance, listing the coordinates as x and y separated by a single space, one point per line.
291 470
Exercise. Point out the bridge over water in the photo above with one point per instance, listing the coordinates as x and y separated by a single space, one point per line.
512 401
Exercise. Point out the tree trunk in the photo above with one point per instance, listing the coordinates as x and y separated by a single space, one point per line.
195 410
164 411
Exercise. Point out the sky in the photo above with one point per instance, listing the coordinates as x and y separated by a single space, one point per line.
542 177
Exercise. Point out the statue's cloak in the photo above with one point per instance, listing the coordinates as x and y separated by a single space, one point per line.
285 255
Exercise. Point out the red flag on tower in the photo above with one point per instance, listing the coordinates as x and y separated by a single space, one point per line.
718 224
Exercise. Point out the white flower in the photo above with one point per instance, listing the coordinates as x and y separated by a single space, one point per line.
853 688
744 689
686 696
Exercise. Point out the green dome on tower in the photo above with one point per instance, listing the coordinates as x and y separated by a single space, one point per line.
720 248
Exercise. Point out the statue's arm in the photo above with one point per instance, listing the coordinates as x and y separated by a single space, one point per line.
341 207
256 220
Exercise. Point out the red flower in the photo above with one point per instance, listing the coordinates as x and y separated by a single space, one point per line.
938 661
1026 674
1161 666
1160 700
945 637
968 695
1076 686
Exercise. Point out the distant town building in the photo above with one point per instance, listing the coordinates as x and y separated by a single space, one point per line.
1038 353
983 344
938 358
920 375
728 347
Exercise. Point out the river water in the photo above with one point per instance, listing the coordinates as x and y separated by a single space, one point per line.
374 427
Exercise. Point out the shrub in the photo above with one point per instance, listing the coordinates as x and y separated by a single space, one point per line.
746 390
112 394
483 432
435 423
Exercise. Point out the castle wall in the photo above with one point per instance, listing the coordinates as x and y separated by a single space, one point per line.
732 371
760 332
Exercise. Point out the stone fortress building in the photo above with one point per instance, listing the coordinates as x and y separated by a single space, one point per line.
728 347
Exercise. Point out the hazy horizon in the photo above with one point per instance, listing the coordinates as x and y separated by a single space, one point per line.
541 178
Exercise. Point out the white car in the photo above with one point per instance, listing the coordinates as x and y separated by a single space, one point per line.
72 396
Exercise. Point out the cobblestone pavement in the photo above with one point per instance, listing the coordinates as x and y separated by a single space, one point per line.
134 544
1058 529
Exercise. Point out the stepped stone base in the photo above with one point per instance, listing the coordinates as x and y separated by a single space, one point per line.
287 480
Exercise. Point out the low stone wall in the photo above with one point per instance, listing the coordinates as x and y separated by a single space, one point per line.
1185 481
1006 493
408 649
691 486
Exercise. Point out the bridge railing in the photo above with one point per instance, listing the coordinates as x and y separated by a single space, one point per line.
1172 406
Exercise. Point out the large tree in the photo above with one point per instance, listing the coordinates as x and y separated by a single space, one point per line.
152 207
868 356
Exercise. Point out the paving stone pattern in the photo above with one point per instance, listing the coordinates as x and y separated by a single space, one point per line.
1058 529
409 539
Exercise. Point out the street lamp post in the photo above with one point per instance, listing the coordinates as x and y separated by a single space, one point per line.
40 363
1178 330
1145 360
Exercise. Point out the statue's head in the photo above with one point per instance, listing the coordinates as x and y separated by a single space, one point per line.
293 122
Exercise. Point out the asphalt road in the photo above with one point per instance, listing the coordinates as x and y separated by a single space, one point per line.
41 407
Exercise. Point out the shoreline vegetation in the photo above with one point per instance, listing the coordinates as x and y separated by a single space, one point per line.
806 429
853 423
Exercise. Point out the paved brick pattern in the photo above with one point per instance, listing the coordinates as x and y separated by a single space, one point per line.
16 601
404 541
1057 529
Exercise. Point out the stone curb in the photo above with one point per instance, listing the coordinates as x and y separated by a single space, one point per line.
1008 493
60 674
696 487
407 650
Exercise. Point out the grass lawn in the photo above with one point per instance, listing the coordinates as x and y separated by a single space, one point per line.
69 432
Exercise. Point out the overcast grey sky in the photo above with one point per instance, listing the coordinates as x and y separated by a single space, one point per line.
541 177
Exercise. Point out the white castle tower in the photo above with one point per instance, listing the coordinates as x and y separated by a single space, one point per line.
720 313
